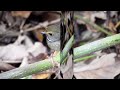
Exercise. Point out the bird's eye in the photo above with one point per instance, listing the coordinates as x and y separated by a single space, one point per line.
50 34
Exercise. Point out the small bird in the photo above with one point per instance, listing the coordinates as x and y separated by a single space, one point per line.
53 36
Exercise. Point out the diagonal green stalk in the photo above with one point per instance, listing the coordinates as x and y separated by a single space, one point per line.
47 64
84 58
96 45
36 67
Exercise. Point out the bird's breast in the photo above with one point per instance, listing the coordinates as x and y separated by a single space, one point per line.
54 45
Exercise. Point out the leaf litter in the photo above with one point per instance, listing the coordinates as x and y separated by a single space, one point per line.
22 50
104 67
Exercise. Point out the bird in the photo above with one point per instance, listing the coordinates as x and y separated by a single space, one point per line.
52 33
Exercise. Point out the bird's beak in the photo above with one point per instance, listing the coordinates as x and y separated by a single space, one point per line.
43 32
46 33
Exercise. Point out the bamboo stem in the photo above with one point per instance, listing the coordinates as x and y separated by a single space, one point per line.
47 64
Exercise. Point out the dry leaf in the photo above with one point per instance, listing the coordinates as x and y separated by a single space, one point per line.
28 42
67 69
37 49
2 29
15 52
108 72
24 14
113 13
41 76
5 66
90 15
98 68
97 14
103 61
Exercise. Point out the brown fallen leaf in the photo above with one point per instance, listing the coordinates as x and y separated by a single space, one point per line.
108 72
17 51
24 14
5 66
67 69
41 76
98 14
104 67
90 15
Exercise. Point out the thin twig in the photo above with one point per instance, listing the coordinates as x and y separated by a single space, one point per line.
41 25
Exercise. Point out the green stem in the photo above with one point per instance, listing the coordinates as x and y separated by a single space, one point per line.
47 64
84 58
27 70
96 45
36 67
